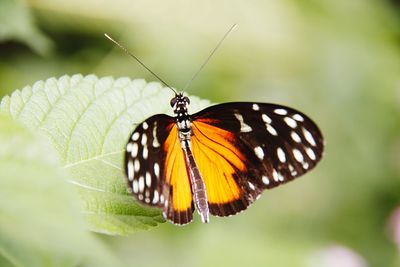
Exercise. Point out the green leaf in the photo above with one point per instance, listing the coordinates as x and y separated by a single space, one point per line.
88 121
40 223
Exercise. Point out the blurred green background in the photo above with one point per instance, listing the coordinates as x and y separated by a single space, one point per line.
337 61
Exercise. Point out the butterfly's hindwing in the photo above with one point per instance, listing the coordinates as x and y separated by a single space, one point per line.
275 143
178 207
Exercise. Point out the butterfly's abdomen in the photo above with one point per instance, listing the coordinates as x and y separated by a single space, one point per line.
198 187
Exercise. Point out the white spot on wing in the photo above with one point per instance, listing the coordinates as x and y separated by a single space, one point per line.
130 170
135 186
145 125
259 152
271 130
129 147
309 137
297 155
280 177
137 165
141 184
144 139
155 197
265 180
266 119
135 136
256 107
148 179
134 150
145 152
162 198
292 170
280 111
155 140
281 154
290 122
311 153
156 169
295 137
275 175
252 187
243 126
298 117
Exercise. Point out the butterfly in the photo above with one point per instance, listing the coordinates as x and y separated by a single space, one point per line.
220 159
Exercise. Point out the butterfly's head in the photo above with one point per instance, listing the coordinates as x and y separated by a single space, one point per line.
180 103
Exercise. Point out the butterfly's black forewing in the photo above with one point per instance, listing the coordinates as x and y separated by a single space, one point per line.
144 159
279 143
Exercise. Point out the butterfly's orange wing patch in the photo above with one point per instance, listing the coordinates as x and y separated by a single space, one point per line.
177 188
220 162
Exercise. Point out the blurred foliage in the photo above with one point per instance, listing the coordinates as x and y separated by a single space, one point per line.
338 61
16 24
39 222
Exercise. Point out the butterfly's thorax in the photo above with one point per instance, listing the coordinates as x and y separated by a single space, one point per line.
180 105
184 127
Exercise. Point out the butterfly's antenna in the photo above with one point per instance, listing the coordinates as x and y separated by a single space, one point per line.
140 62
209 57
